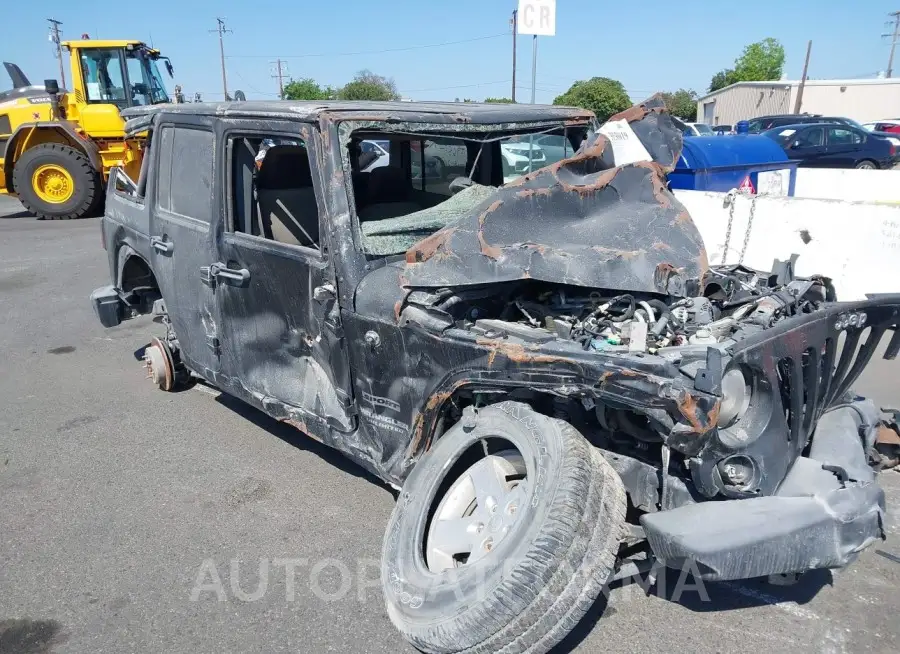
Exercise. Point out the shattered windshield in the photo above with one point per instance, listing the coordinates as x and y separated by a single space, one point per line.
414 184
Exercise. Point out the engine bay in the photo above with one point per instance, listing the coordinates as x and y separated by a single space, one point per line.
730 303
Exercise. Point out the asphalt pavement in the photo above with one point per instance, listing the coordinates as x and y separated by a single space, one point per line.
133 520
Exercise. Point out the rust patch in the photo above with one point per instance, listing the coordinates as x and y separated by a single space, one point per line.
433 403
659 245
531 192
602 180
683 218
612 253
688 407
632 114
301 426
487 249
429 246
516 352
398 306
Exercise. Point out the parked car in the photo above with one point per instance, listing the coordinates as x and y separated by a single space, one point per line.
376 154
520 156
551 372
722 130
833 145
698 129
884 126
762 123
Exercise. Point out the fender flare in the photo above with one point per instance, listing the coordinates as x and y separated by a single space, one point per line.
63 127
125 253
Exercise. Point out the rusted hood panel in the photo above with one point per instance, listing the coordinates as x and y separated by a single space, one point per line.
576 222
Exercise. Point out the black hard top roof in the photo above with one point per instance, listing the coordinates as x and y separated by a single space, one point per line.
436 112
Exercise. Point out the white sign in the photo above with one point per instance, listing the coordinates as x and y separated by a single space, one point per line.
627 147
537 17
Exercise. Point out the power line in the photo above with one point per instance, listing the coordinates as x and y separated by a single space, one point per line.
220 29
894 39
461 86
280 76
362 52
54 36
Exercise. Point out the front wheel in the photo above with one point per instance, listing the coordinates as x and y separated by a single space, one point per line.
57 182
503 536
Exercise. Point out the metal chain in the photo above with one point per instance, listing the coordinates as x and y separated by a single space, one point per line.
749 228
729 202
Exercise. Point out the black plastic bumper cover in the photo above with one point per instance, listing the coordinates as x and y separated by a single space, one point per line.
107 305
820 518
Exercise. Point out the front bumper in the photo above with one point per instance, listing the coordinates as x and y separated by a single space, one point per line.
108 306
824 513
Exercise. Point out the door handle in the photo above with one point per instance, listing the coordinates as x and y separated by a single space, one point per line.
161 245
234 276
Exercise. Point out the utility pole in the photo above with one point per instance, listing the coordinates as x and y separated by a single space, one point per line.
894 38
54 36
803 79
220 29
514 21
279 75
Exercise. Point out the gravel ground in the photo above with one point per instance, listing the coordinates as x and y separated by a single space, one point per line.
134 520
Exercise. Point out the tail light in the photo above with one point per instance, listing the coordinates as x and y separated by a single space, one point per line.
893 150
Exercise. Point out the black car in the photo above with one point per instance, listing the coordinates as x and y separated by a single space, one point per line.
762 123
833 145
561 387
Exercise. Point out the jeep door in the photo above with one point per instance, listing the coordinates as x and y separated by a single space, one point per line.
181 240
282 343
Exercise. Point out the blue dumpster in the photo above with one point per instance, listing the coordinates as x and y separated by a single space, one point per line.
744 161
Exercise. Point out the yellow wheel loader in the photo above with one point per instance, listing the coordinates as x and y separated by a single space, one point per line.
57 146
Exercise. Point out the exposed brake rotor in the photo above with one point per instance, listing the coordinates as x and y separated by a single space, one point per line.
159 364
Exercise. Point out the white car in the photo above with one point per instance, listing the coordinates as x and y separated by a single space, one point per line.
698 129
381 155
516 159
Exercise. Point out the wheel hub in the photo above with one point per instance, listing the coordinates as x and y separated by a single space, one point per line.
53 184
477 512
158 362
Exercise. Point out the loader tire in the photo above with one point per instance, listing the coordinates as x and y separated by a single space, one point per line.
530 589
57 182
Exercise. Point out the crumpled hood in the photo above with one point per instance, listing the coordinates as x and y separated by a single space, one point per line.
581 221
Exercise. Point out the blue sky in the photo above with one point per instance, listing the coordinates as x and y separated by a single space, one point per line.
664 46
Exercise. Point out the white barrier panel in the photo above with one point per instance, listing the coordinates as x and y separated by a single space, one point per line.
856 244
850 184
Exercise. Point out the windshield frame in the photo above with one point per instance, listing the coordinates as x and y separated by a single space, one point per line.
349 129
151 78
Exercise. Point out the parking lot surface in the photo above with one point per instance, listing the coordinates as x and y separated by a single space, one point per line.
133 520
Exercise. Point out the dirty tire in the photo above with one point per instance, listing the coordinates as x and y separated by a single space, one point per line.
88 192
541 580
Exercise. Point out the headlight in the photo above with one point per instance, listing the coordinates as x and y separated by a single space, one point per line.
735 397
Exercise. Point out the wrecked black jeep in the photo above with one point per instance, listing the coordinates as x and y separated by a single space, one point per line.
525 338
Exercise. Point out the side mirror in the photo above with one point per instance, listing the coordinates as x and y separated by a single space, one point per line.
795 145
51 86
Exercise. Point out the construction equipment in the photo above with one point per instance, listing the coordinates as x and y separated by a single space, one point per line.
57 146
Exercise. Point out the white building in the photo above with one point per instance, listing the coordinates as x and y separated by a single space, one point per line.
860 99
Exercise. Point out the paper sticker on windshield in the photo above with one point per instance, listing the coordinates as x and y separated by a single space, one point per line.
627 147
786 132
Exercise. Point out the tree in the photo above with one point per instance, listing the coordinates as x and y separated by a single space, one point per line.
369 86
307 89
602 95
722 79
498 100
682 103
760 62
